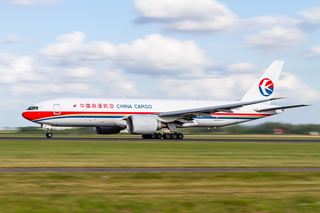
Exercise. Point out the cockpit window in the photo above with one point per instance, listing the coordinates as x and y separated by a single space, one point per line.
33 108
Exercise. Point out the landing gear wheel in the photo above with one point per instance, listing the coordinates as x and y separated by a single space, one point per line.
146 136
166 136
49 135
174 136
180 136
152 136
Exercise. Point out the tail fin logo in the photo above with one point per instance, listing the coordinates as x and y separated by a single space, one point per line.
266 87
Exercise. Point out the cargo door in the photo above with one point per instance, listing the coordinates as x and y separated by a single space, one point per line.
56 109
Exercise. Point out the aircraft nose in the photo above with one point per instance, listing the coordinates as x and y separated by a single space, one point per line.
25 115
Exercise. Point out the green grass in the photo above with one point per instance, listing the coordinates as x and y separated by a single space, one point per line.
46 153
233 192
161 192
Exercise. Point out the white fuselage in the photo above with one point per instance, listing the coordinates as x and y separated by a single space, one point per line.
89 112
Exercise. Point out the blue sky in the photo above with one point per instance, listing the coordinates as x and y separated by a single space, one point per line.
182 49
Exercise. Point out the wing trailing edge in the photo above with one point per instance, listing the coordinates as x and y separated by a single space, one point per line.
207 110
279 108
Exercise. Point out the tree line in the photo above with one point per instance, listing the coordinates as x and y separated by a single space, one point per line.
265 128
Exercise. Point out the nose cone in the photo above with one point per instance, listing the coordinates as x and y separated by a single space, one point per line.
26 115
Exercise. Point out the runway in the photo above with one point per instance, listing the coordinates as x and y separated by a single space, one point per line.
171 140
146 170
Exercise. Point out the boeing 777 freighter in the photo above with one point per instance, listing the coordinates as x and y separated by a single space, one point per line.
147 116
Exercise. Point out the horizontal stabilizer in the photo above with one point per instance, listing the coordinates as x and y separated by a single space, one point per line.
283 107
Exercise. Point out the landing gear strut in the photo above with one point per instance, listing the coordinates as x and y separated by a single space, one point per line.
164 136
48 129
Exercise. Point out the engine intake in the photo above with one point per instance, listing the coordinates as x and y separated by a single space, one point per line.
143 124
107 130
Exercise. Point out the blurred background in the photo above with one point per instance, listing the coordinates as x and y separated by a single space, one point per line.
269 128
182 49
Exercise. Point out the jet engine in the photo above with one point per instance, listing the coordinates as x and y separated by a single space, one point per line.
107 130
143 124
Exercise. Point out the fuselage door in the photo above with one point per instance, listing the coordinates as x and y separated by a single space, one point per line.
56 109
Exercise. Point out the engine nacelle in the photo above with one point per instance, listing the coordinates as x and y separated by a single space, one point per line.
107 130
143 124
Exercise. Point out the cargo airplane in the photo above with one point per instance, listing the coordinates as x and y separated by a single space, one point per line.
147 116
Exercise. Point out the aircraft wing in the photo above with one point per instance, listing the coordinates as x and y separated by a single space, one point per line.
283 107
207 110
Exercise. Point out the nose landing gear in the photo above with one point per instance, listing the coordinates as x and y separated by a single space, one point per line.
49 135
48 129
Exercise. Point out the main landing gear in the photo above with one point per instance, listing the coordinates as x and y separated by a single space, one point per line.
164 136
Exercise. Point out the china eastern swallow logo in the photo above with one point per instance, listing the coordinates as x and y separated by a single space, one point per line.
266 87
75 105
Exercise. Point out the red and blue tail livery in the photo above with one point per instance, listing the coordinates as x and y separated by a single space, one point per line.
266 87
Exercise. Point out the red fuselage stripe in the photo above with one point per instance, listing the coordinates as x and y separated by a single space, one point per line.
36 115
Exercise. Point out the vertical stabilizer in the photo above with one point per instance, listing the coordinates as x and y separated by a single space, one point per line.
265 86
